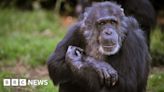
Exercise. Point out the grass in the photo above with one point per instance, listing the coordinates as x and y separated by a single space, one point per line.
157 47
157 38
29 38
156 80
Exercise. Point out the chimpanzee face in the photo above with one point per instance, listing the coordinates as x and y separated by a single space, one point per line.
108 37
103 29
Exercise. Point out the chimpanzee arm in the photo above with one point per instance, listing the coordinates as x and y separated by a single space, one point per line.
58 69
91 74
84 68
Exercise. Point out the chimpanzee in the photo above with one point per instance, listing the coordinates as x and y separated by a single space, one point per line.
105 51
142 10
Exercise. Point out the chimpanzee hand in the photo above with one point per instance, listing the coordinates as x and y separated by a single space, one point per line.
108 75
74 57
77 61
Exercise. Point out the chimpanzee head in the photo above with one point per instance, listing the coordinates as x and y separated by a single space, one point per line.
103 27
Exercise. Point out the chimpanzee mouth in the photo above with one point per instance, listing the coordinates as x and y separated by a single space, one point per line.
108 47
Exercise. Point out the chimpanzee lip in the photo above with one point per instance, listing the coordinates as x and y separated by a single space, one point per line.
109 46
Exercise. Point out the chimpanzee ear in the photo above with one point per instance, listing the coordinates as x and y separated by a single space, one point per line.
133 23
129 23
122 12
83 22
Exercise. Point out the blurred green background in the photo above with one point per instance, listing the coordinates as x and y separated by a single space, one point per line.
27 38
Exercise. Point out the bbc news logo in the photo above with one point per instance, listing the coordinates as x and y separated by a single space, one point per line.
24 82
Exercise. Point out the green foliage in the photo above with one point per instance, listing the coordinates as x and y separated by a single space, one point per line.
28 36
157 44
156 82
2 76
157 47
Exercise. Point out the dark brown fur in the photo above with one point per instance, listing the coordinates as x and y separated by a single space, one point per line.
131 62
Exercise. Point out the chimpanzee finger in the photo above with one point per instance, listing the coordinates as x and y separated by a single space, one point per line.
107 78
114 78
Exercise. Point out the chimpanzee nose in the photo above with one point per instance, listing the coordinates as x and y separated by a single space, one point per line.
107 32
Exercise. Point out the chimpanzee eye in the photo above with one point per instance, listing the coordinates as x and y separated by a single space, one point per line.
113 22
102 23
